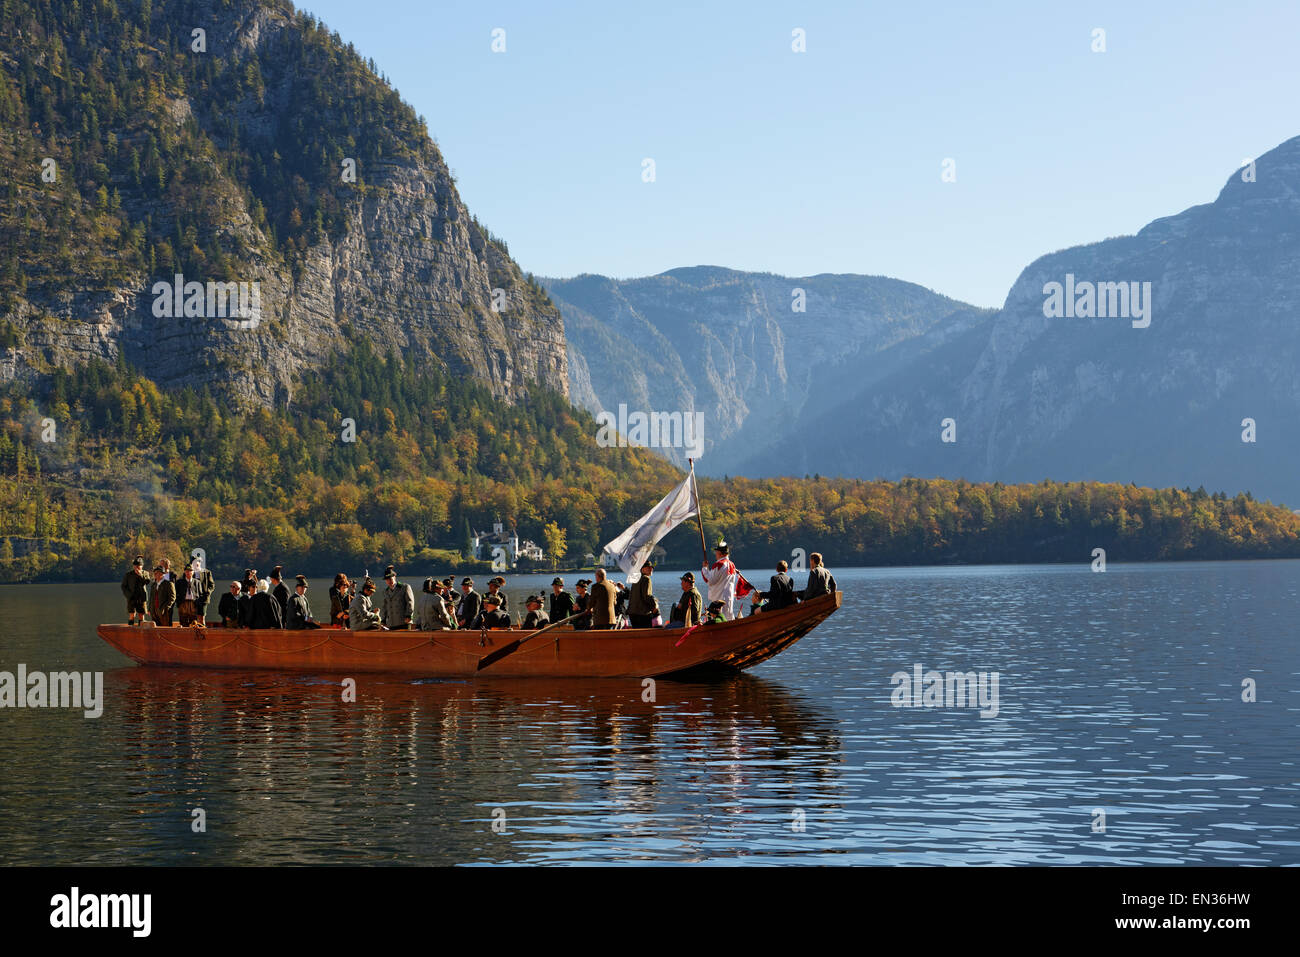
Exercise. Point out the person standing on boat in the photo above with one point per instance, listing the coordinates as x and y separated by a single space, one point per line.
188 593
280 591
641 604
721 578
135 589
206 587
162 600
340 600
536 618
602 601
820 581
561 601
228 607
399 602
686 612
471 603
361 617
299 610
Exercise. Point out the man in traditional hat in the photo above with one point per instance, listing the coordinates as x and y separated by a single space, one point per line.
206 587
561 600
280 591
492 617
471 603
721 579
536 618
399 602
135 589
361 617
188 592
164 597
580 604
641 603
687 610
299 610
494 588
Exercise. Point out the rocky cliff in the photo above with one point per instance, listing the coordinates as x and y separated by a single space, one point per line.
265 152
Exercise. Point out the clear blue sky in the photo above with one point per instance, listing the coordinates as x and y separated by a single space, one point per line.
830 160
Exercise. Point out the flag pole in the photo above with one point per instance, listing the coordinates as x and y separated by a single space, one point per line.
699 513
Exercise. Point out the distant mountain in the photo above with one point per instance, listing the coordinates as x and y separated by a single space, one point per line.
1098 398
237 141
736 347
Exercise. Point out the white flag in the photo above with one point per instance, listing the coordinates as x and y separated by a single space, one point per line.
633 547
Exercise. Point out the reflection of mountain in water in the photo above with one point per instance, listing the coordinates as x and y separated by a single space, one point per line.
293 773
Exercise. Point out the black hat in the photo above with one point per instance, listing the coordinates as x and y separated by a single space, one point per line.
581 583
467 581
277 571
533 598
449 580
188 567
490 599
497 581
689 577
390 572
648 564
557 581
139 560
301 580
717 605
721 547
157 568
368 583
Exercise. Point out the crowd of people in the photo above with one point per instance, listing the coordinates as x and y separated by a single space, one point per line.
599 603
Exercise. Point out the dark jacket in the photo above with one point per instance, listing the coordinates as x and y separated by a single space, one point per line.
228 610
561 606
581 604
641 600
245 610
265 612
299 613
492 619
470 606
780 593
135 587
164 597
820 582
535 619
281 595
688 607
602 599
339 607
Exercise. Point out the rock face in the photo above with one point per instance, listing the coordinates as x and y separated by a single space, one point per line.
733 346
1034 397
405 267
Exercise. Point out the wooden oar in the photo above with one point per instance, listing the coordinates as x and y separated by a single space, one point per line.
511 648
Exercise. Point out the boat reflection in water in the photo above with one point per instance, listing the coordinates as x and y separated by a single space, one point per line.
420 771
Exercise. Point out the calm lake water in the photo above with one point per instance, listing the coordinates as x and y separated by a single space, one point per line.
1119 692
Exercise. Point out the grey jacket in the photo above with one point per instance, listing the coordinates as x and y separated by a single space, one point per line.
399 605
361 617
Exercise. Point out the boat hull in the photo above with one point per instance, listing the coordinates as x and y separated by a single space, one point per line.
559 653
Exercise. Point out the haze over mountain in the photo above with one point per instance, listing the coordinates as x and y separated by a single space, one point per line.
1096 398
748 350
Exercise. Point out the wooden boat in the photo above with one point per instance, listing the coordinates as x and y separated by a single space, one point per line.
559 652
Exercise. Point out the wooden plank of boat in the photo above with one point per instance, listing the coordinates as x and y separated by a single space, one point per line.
561 653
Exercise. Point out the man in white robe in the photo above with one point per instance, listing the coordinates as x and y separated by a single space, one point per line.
721 578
